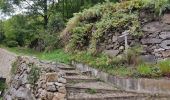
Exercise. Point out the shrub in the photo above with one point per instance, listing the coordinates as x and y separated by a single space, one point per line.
146 70
132 55
164 67
34 74
14 68
11 43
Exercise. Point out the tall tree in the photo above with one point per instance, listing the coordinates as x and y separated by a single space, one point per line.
43 8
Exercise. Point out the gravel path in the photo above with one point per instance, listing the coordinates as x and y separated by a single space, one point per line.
6 59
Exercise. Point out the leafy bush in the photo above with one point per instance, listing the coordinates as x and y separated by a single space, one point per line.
164 67
11 43
132 56
146 70
2 86
34 74
102 17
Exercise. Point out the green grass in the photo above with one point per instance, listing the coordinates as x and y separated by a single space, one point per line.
91 91
57 55
101 62
164 67
2 86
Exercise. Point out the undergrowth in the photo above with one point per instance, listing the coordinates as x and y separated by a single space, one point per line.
86 29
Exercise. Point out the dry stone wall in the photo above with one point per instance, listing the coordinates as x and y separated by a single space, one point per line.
155 41
50 85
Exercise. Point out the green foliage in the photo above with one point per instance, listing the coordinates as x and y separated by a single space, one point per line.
103 17
34 74
57 55
2 86
132 56
14 68
164 67
11 43
91 91
147 70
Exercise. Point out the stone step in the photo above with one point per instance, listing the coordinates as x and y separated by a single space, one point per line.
66 68
79 78
105 96
71 72
98 87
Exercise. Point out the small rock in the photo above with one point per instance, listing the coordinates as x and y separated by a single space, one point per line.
49 95
121 48
166 18
59 96
62 80
62 90
111 53
51 87
165 35
165 44
151 41
58 84
158 50
52 77
166 28
166 53
148 58
152 27
114 38
42 94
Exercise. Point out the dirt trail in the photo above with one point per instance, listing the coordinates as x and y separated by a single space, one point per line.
6 59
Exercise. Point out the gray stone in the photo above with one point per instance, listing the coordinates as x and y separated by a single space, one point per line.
165 35
111 53
151 41
121 48
166 28
58 84
51 87
148 58
165 44
152 27
109 46
158 50
166 53
62 90
24 93
114 38
166 19
62 80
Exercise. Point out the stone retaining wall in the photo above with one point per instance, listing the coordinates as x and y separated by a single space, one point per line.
49 85
155 41
141 85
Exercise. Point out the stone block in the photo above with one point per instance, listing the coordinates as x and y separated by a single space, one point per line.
59 96
166 19
148 41
165 35
165 44
166 53
51 77
111 53
153 27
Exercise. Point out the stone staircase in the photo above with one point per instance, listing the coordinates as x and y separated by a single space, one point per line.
81 86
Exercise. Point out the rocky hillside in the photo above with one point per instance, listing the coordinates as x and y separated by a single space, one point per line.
102 28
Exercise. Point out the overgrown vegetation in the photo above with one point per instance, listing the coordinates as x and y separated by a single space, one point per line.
3 86
14 68
86 29
91 91
34 74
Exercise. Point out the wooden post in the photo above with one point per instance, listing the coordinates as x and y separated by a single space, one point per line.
125 34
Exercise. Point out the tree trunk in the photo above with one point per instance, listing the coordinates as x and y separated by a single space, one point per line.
45 14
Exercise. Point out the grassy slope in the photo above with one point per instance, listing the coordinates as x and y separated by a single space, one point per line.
59 55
